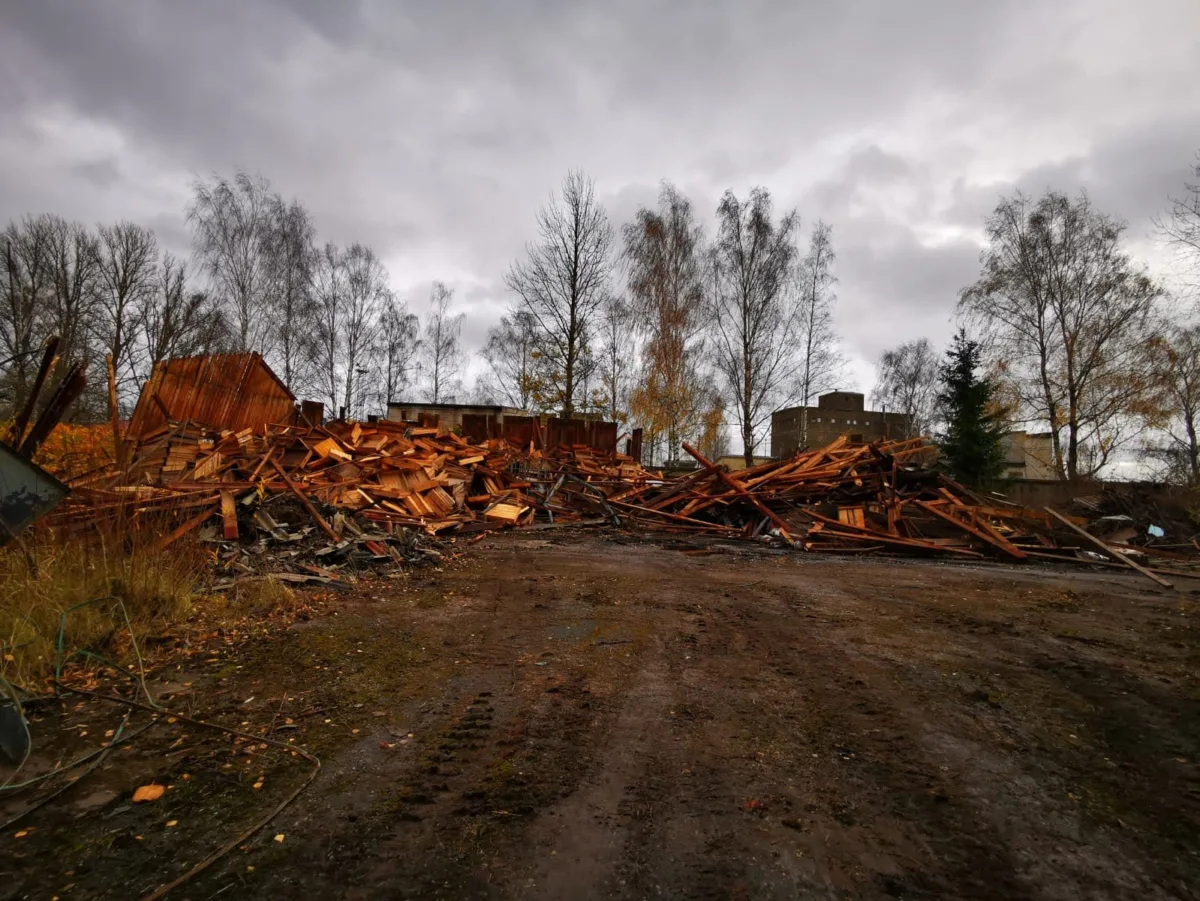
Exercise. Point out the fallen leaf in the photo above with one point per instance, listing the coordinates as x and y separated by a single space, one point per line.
257 785
172 823
753 804
22 833
386 745
151 792
279 838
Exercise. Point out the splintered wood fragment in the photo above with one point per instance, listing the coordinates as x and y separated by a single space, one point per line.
229 516
852 516
508 513
329 448
208 467
261 463
306 504
1112 552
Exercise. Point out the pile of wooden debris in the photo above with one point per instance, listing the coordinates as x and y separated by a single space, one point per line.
875 497
311 501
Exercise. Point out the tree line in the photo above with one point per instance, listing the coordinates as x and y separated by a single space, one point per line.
686 329
653 324
1074 338
660 325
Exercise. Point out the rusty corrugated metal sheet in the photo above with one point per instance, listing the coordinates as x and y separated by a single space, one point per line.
224 391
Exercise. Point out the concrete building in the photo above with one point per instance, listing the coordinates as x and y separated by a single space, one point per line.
836 413
449 415
1029 456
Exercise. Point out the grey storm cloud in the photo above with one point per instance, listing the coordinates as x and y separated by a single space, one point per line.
434 130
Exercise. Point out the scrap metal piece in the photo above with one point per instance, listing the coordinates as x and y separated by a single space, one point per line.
27 492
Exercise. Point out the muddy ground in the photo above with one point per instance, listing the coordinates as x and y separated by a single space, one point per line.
594 717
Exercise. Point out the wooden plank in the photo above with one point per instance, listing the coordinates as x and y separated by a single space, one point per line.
1112 552
508 513
306 504
229 516
1059 558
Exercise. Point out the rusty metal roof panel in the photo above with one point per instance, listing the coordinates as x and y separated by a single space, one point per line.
223 391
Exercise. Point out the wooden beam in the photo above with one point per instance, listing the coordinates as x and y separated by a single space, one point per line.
17 433
990 536
1112 552
306 504
162 408
740 489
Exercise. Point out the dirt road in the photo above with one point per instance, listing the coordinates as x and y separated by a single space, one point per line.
581 717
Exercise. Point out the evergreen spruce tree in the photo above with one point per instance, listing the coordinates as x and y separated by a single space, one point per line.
971 448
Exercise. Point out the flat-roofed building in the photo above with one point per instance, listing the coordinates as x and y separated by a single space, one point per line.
836 413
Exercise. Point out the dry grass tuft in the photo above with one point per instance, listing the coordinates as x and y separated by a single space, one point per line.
265 597
61 598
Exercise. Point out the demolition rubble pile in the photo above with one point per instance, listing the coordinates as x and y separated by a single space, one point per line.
301 503
307 503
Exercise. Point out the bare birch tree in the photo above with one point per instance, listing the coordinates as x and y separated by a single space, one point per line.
1175 365
231 239
74 271
664 257
1068 314
27 275
515 362
127 281
823 364
366 295
291 258
907 382
563 281
755 310
614 358
329 278
441 356
1181 226
399 345
178 321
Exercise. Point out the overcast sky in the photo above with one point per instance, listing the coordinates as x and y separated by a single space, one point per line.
434 130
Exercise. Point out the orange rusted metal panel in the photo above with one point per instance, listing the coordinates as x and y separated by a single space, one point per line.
223 391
